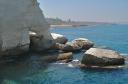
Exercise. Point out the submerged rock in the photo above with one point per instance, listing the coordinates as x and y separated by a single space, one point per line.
58 38
83 43
102 57
64 57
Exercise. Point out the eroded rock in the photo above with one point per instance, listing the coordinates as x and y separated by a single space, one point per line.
18 17
38 42
68 47
102 57
57 57
83 43
58 38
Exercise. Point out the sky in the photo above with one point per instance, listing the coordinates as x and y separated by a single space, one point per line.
87 10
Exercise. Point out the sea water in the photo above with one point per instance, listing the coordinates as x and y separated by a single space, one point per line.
32 71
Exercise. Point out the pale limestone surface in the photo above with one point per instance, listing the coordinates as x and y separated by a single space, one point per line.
102 53
102 57
83 43
17 18
58 38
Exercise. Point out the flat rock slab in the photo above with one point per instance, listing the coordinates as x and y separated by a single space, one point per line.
102 57
57 57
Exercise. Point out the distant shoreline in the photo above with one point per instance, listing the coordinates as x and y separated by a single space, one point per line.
72 26
75 26
58 23
59 26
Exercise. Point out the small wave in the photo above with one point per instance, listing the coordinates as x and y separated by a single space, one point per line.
76 60
120 66
67 64
60 63
102 47
70 65
124 54
126 62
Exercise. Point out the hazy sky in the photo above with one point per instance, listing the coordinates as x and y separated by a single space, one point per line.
87 10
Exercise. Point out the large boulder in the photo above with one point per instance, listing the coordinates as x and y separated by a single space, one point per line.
68 47
102 57
58 38
83 43
38 43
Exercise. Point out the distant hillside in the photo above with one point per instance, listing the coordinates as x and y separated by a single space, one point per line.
56 22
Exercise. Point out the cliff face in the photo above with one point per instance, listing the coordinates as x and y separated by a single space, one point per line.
17 18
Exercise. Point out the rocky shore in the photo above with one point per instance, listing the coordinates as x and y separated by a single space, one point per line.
63 52
93 57
23 31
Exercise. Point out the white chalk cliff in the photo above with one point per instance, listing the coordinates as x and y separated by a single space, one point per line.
17 18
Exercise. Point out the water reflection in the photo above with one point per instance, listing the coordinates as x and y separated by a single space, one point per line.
20 67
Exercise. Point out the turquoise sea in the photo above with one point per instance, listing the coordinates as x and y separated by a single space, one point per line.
32 71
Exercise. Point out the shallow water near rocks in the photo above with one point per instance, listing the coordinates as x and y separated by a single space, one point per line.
30 70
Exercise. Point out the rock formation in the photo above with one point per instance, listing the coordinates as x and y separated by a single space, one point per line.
102 57
76 45
17 18
68 47
83 43
58 38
